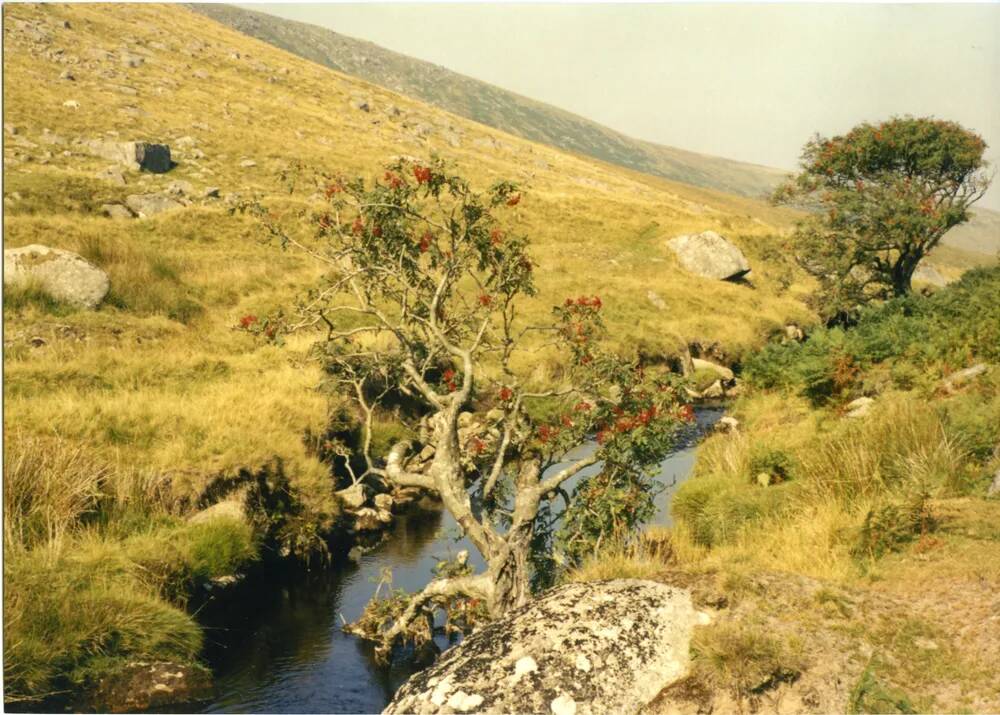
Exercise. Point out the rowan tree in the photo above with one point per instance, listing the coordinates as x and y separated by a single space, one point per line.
882 196
420 298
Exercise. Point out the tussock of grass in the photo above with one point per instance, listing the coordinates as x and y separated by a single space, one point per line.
743 658
66 615
31 295
646 559
91 552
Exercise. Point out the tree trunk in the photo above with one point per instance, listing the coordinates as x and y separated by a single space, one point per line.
509 571
902 273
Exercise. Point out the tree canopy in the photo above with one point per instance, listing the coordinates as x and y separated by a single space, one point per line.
882 196
419 304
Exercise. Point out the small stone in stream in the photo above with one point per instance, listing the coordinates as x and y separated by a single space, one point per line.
366 519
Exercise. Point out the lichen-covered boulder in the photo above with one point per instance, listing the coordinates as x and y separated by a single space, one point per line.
709 255
602 647
64 275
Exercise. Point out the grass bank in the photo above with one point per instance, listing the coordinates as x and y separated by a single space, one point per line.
864 546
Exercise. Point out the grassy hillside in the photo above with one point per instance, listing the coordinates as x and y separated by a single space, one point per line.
118 420
524 117
181 280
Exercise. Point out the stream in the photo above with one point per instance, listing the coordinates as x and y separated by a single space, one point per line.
278 645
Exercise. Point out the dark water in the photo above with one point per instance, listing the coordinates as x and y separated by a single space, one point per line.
278 647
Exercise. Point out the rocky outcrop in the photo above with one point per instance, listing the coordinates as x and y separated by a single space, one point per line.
722 371
135 155
709 255
64 275
600 647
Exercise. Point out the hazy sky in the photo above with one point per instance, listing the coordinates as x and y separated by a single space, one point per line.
750 82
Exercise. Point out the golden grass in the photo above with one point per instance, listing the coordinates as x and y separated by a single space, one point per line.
157 376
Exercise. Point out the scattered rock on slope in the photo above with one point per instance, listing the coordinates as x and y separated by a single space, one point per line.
145 205
709 255
117 211
135 155
582 648
859 407
64 275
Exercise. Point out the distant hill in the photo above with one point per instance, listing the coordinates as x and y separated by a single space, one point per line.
495 107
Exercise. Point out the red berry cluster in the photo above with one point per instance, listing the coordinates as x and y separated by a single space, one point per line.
422 174
247 320
585 302
449 379
393 180
546 433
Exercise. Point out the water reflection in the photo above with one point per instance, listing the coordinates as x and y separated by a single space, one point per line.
279 646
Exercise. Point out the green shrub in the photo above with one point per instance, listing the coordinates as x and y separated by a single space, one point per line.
871 695
913 334
891 526
716 509
974 420
776 463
